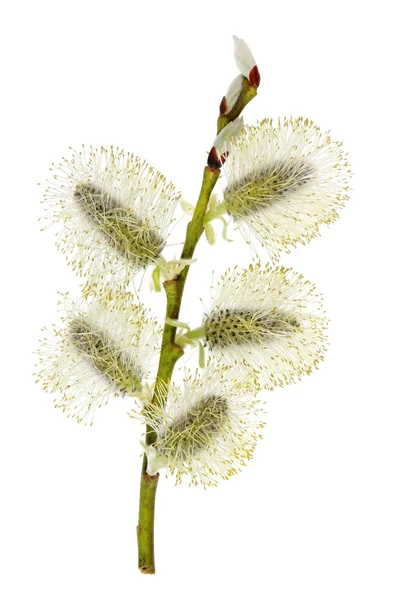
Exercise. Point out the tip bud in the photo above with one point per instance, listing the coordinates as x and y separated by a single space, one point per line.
245 61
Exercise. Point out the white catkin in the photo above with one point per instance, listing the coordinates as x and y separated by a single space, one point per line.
102 349
267 324
284 180
208 429
113 212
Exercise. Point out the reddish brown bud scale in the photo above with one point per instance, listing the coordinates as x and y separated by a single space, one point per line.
223 107
254 77
214 161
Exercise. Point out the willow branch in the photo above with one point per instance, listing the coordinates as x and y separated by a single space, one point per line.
170 352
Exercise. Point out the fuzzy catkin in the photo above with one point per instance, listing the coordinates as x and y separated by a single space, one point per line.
207 430
113 213
119 226
267 324
284 180
102 349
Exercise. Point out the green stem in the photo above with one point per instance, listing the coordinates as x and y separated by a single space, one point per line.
246 95
145 528
170 352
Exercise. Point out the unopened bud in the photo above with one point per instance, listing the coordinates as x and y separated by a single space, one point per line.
245 62
231 96
220 150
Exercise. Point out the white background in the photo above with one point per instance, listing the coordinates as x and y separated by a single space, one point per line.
316 513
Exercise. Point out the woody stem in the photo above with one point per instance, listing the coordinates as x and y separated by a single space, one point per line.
170 352
169 355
